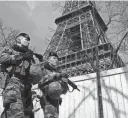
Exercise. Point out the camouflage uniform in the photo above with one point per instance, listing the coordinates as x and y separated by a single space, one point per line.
12 99
27 99
49 105
19 72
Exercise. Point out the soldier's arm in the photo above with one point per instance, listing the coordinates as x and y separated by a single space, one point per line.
7 56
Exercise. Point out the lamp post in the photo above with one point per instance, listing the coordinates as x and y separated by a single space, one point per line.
98 82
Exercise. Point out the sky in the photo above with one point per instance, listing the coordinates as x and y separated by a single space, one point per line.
32 17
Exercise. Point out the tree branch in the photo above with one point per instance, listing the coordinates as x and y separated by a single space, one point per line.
58 5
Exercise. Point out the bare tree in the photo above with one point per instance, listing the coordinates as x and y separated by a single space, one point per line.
58 5
116 20
7 35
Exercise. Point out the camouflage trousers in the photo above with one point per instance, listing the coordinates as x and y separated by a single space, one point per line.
12 100
50 107
50 111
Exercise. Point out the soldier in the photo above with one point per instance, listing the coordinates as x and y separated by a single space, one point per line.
16 62
52 91
27 101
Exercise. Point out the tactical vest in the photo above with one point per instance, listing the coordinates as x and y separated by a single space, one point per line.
20 69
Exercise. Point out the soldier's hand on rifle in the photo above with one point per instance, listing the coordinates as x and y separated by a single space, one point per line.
60 75
28 55
64 75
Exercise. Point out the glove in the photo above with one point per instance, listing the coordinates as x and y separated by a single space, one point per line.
18 59
65 75
28 55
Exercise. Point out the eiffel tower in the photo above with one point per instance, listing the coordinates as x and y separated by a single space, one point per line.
75 37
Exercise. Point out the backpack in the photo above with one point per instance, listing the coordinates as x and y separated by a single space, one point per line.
35 73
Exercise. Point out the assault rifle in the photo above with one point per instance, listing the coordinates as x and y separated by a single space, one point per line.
58 77
24 50
73 85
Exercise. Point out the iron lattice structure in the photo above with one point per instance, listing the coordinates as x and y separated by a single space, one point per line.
74 40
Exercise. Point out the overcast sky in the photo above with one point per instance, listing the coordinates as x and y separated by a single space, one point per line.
31 17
